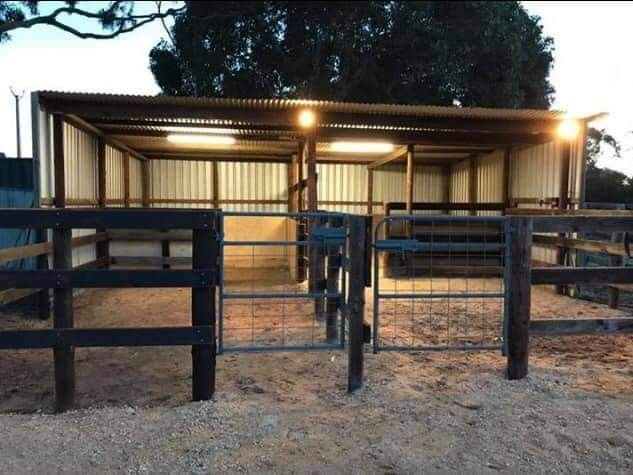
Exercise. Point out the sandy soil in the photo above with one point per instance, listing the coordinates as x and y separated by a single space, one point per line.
288 412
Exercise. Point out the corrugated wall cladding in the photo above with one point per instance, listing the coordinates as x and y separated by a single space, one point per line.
535 172
114 176
180 181
342 182
80 152
459 185
490 180
348 183
239 181
136 182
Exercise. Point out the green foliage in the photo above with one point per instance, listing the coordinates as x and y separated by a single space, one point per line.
604 184
472 53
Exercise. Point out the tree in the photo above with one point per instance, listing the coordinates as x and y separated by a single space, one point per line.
116 19
605 185
472 53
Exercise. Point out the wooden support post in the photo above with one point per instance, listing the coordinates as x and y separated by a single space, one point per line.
300 162
472 183
518 281
370 191
216 184
356 301
505 194
204 257
334 261
563 202
64 355
312 175
164 247
409 179
102 247
613 291
292 183
447 187
145 183
126 179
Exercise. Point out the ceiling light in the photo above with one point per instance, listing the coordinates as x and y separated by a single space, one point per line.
361 147
201 139
568 129
307 119
196 130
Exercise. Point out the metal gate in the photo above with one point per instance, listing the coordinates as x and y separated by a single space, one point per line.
439 283
282 283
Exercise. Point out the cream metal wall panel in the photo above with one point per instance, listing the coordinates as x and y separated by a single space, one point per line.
180 180
490 180
342 182
80 154
240 181
114 176
389 184
429 183
136 181
536 171
460 184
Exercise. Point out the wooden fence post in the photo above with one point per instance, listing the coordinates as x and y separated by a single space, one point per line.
204 257
356 301
613 291
519 282
64 355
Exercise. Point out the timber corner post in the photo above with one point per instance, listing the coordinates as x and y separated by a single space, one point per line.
356 300
518 281
205 254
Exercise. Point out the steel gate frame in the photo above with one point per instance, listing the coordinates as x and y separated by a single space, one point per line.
326 238
381 245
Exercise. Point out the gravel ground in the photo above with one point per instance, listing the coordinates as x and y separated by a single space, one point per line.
400 423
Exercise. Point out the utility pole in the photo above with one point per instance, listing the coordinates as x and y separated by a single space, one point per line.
17 95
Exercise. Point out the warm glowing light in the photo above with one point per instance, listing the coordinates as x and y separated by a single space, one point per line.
307 119
361 147
197 130
201 139
568 129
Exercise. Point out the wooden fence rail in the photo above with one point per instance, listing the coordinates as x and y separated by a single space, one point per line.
63 338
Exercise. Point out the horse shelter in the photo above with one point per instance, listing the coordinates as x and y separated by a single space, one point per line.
285 216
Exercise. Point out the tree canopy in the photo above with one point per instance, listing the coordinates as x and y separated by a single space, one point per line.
117 18
470 53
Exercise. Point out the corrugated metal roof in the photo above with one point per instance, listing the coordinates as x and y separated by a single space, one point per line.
324 106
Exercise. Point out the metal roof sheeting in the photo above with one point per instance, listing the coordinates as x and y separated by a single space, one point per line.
324 106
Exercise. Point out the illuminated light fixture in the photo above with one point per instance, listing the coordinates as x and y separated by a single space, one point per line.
568 129
197 130
361 147
201 139
307 119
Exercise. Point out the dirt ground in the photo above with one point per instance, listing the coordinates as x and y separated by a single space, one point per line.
288 412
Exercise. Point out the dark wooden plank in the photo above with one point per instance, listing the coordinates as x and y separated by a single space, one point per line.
615 248
615 261
150 235
105 337
106 218
518 296
434 206
68 278
64 355
585 326
205 255
356 302
584 275
602 221
154 261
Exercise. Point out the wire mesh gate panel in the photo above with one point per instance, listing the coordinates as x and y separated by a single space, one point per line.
439 282
282 283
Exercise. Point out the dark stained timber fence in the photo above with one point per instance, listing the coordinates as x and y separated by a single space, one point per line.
63 338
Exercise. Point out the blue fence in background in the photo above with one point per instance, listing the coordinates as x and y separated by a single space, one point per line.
16 191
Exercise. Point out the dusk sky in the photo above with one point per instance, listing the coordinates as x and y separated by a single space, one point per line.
592 71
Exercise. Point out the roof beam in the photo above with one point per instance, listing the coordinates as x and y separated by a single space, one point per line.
390 157
91 129
219 157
